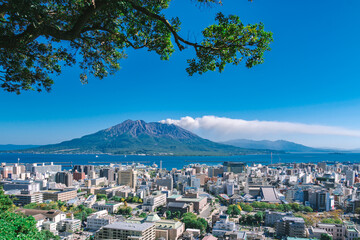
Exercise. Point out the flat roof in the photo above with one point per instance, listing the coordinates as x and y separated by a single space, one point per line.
174 196
129 226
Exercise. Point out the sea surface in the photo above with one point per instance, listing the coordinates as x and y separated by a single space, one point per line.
170 162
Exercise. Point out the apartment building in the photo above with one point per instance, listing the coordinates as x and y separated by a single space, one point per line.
291 227
99 219
223 225
272 217
69 225
126 231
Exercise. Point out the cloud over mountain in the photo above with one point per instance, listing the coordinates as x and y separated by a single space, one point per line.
222 128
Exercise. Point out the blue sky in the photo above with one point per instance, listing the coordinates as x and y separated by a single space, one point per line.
311 76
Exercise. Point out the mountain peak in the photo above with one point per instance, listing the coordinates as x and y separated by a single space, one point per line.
139 127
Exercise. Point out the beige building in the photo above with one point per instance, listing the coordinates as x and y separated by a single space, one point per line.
127 231
153 201
337 231
65 195
164 228
127 177
199 203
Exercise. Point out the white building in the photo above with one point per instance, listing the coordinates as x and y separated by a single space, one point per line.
91 200
222 226
110 207
101 218
126 231
69 225
50 226
195 182
350 177
153 201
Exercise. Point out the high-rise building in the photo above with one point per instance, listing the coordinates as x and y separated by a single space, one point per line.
235 167
350 177
127 177
78 175
108 173
84 168
65 178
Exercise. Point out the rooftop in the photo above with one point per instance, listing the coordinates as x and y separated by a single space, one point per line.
129 226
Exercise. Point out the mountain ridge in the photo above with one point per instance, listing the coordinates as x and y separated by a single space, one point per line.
139 137
278 145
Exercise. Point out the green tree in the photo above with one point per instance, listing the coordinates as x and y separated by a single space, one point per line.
124 210
308 209
247 208
39 37
331 220
5 202
325 236
16 226
100 197
259 217
142 215
357 210
81 212
192 221
168 214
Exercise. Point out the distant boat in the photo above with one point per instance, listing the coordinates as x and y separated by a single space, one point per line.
124 155
96 156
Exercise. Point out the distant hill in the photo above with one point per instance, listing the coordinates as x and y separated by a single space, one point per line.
10 147
279 145
139 137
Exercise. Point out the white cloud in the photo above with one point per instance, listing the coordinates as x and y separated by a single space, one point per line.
221 128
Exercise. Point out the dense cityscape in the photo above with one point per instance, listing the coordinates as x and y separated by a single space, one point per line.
228 201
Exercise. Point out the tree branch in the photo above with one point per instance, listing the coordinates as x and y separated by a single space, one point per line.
31 32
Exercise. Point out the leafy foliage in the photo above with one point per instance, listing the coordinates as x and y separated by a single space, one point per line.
5 202
332 221
40 37
252 220
100 197
234 210
325 236
43 206
129 199
16 226
143 215
192 221
295 207
81 212
124 210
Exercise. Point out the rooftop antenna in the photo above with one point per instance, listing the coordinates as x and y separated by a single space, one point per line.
160 165
18 161
271 158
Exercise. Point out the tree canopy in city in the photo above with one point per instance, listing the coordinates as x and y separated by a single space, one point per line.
17 226
39 37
